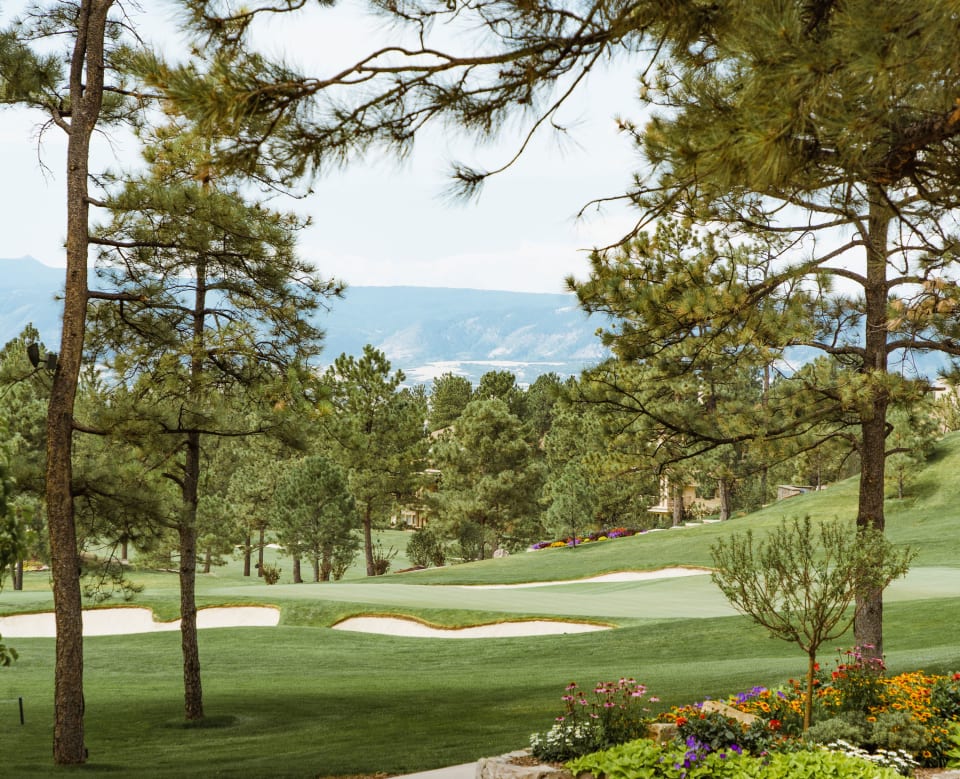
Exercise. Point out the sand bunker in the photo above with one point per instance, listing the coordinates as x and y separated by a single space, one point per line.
128 620
395 626
620 576
409 628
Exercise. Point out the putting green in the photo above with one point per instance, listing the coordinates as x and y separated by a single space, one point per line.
675 598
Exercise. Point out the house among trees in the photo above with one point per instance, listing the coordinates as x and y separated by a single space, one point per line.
686 497
785 491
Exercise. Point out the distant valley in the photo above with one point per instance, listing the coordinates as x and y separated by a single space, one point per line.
425 331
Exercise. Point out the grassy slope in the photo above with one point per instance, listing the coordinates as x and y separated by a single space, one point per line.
302 700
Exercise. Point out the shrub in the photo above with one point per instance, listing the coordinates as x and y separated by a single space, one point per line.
381 559
848 727
857 680
470 541
271 573
426 547
712 729
945 696
612 713
898 730
953 754
693 760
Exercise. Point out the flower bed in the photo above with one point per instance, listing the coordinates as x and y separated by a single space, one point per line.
598 535
869 725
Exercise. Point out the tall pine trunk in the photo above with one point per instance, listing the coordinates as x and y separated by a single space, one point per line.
368 539
247 552
261 542
86 97
726 498
326 562
868 625
192 689
678 509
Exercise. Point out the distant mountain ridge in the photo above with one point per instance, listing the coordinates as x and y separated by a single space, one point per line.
425 331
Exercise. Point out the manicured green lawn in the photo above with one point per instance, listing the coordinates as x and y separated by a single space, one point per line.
302 700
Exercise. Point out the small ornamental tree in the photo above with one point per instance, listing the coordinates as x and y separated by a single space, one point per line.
801 581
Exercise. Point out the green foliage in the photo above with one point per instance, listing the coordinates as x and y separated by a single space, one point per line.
382 558
953 754
945 697
491 478
850 727
719 732
314 514
799 584
448 399
910 443
643 759
376 435
611 713
271 573
426 548
899 730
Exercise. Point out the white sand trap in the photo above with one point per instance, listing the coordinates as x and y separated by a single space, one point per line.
128 620
410 628
619 576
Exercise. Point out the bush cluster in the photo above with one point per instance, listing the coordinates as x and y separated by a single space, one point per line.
691 759
610 713
867 725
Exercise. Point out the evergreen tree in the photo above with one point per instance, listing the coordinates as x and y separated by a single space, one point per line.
831 126
540 400
213 313
448 399
68 89
24 394
377 432
490 479
501 385
619 485
910 443
316 516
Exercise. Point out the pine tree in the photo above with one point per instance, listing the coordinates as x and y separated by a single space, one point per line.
209 327
73 99
831 126
316 516
490 478
377 435
448 399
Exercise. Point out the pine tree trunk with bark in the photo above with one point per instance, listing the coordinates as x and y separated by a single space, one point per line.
868 626
368 539
187 529
247 554
86 98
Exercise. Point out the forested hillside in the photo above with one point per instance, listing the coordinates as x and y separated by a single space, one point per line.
424 331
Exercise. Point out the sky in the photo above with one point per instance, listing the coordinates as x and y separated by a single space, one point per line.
380 222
